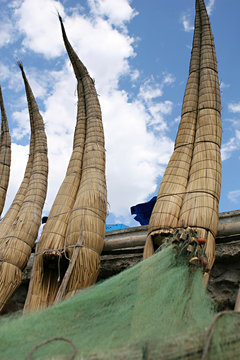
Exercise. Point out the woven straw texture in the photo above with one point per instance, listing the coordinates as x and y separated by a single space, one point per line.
5 155
75 228
190 189
24 216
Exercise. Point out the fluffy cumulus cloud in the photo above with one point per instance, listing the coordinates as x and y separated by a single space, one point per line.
187 24
6 32
118 12
37 21
104 49
133 157
137 147
234 196
18 163
232 145
234 107
150 93
150 90
4 72
210 6
21 118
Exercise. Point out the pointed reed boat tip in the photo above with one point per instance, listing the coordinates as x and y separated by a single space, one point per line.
20 65
59 17
61 23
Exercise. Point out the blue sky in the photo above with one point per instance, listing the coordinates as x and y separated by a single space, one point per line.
138 52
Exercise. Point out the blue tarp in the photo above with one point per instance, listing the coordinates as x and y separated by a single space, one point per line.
143 211
115 227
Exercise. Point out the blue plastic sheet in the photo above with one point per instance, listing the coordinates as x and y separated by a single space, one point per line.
115 227
143 211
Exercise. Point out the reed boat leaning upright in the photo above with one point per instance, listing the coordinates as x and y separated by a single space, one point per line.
189 193
79 210
16 245
85 234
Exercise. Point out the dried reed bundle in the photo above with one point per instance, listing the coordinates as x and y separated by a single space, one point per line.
50 261
12 212
200 205
17 244
190 189
86 227
5 154
73 202
171 192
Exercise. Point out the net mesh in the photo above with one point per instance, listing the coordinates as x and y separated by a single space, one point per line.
158 307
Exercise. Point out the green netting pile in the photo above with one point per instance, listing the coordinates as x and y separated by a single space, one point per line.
158 309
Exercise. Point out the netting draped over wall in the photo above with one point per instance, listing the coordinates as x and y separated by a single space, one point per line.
158 307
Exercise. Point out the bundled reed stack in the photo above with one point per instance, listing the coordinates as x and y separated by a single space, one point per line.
190 189
86 228
76 225
13 210
50 256
16 246
5 154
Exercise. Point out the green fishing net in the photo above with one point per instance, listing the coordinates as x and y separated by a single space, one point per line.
157 309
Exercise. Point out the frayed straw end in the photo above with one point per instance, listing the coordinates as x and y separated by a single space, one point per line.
148 248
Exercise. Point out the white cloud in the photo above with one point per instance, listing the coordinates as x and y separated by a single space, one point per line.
186 23
149 94
38 21
18 163
165 107
98 40
6 32
131 149
40 81
12 76
4 72
168 79
232 145
224 86
21 119
101 41
234 107
136 154
117 12
135 75
135 157
234 196
157 112
150 90
210 6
